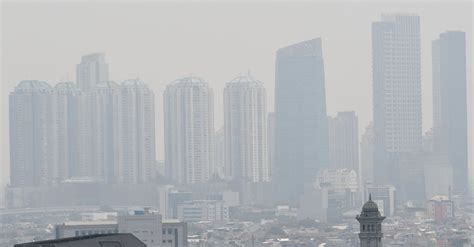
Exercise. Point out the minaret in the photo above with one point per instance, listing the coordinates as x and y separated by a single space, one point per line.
370 225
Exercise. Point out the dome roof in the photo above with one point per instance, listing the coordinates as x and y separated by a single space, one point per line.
66 86
190 80
370 206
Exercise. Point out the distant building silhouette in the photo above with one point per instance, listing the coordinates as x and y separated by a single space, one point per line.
370 222
450 103
32 127
301 133
91 71
344 141
189 130
245 127
367 147
396 71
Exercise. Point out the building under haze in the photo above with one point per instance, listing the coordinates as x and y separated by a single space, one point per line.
104 132
66 108
301 133
92 70
367 147
137 132
344 141
189 130
450 103
396 72
245 126
32 142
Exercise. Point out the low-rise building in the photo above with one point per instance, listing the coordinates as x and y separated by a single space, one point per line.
203 210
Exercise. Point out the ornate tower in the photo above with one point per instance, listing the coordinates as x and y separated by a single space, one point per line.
370 225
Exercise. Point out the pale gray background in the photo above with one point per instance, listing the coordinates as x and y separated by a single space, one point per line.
159 42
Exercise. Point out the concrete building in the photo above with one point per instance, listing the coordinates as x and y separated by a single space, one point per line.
219 162
450 103
147 226
97 240
341 179
66 108
271 144
245 127
384 197
301 121
92 70
137 132
396 71
32 135
104 116
370 221
440 208
367 148
189 130
203 210
344 141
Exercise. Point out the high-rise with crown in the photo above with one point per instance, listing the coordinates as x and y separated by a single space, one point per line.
370 221
91 71
396 72
137 132
32 127
189 130
301 133
450 103
245 126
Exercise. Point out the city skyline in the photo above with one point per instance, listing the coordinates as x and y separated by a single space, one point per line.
356 18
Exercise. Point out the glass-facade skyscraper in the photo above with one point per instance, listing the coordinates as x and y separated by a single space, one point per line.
301 133
450 103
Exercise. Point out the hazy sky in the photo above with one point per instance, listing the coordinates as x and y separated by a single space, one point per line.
160 42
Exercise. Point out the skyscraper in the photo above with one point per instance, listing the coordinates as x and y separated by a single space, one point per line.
301 121
367 147
245 126
137 132
105 133
271 144
189 128
66 109
91 71
396 91
450 103
344 141
32 152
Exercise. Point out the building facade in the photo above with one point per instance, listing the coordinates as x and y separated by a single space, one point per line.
32 135
245 130
450 103
344 141
92 70
301 133
189 130
396 72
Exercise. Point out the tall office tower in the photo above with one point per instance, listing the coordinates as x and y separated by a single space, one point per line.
396 92
367 147
450 103
32 154
105 142
301 121
219 161
189 127
271 144
344 141
66 108
91 71
137 132
245 127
